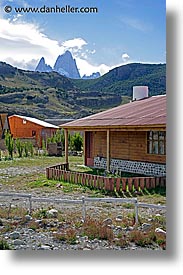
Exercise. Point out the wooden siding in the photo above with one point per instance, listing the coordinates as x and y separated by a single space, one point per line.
3 124
127 145
100 144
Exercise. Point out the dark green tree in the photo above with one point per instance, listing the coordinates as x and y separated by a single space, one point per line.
9 142
20 147
77 142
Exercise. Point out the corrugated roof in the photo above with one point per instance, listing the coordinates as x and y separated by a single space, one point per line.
149 111
37 121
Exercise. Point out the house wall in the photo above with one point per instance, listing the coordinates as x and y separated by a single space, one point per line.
3 124
2 144
128 152
24 130
125 145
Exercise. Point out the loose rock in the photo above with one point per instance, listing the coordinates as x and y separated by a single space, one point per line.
15 235
53 213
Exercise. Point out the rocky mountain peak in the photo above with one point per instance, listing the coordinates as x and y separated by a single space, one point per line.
66 65
42 66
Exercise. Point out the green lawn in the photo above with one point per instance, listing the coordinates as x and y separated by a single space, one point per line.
38 180
41 161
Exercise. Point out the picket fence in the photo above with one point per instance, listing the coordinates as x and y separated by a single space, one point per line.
60 172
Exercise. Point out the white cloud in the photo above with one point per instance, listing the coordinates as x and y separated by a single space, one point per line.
125 57
23 44
136 23
77 43
22 64
17 17
24 41
86 68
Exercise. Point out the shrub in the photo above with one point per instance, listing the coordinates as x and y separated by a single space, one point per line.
91 228
4 245
41 213
9 142
76 142
33 225
26 149
161 240
142 238
121 241
106 233
20 147
57 137
96 229
31 149
69 235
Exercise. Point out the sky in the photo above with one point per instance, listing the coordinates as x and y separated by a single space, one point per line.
120 32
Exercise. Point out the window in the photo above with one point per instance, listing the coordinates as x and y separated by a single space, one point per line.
33 133
156 142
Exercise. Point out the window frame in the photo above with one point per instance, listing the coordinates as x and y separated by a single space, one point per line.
154 141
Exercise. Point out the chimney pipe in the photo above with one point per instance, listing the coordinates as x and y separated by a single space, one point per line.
140 92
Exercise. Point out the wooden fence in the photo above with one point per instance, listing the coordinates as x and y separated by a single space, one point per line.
83 202
60 173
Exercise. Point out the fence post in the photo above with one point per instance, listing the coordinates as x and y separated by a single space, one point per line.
83 208
118 180
153 183
147 185
30 204
47 173
112 184
95 182
157 181
142 183
136 184
130 184
124 184
136 212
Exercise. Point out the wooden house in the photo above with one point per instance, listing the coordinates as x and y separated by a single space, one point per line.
130 137
31 128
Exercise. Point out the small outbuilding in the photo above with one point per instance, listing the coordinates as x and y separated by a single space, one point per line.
130 137
31 128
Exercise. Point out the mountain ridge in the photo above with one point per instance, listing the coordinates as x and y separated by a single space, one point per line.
50 95
121 79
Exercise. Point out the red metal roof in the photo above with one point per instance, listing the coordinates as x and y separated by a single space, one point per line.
149 111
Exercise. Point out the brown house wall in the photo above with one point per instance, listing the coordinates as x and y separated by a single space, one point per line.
3 118
124 145
20 130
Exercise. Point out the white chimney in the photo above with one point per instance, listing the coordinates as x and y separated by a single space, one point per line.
140 92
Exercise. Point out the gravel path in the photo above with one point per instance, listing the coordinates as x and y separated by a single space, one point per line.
16 171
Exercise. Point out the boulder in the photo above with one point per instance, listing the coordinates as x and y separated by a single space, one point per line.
107 221
52 213
14 235
159 230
